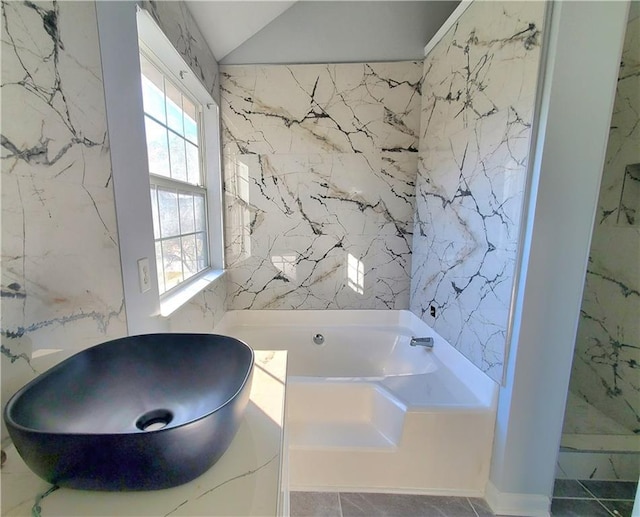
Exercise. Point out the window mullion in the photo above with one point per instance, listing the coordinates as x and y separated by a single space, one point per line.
167 183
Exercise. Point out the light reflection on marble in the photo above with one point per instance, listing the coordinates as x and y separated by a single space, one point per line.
477 106
320 164
607 353
61 280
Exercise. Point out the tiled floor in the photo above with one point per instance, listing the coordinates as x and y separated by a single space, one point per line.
331 504
571 498
593 498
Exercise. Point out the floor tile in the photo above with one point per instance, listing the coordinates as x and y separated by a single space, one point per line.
619 508
320 504
481 507
578 508
401 505
611 489
570 488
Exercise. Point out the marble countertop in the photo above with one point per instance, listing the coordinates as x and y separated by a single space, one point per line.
246 481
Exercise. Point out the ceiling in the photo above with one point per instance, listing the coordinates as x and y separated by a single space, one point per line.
314 31
227 24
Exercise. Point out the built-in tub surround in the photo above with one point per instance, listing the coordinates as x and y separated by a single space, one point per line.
61 279
477 107
320 164
366 411
607 353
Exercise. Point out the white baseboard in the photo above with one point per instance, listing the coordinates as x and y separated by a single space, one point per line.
449 492
524 505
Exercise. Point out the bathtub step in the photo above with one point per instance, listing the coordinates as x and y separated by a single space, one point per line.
351 435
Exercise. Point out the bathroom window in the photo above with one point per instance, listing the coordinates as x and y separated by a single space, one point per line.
178 191
182 136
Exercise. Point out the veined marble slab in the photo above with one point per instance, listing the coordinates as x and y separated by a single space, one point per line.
245 481
607 353
61 280
477 106
320 166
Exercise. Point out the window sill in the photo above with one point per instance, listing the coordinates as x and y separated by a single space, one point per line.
170 304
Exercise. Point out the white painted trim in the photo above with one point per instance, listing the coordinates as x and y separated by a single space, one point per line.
118 35
172 302
161 52
524 505
449 22
387 490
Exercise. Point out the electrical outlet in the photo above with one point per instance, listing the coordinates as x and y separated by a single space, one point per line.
144 275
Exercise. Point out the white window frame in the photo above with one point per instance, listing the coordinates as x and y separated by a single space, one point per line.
159 50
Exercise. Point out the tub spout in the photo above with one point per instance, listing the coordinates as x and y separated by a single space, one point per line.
426 342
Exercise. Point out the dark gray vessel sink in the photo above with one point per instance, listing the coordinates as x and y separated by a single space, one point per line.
138 413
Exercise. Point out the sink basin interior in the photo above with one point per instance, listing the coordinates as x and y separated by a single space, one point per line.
166 402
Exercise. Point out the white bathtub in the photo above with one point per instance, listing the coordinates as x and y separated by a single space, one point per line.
368 412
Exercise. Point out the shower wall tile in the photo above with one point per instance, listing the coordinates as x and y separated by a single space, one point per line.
607 353
177 23
477 106
320 164
61 278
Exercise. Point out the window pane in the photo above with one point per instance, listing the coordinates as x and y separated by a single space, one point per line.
168 209
193 165
154 213
152 90
201 224
178 159
161 286
172 261
190 124
203 251
187 217
157 148
189 256
174 108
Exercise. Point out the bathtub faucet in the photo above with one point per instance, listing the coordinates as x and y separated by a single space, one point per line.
426 342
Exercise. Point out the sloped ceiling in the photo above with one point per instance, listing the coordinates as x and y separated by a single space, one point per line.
227 24
313 31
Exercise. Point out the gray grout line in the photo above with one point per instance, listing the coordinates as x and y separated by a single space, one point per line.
589 491
472 507
607 509
340 504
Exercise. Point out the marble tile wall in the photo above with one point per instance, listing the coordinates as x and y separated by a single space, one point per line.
607 353
320 164
61 280
478 99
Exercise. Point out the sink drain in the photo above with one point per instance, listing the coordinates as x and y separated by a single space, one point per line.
154 420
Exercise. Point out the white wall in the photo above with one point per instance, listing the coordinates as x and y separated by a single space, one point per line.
345 32
118 33
583 56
